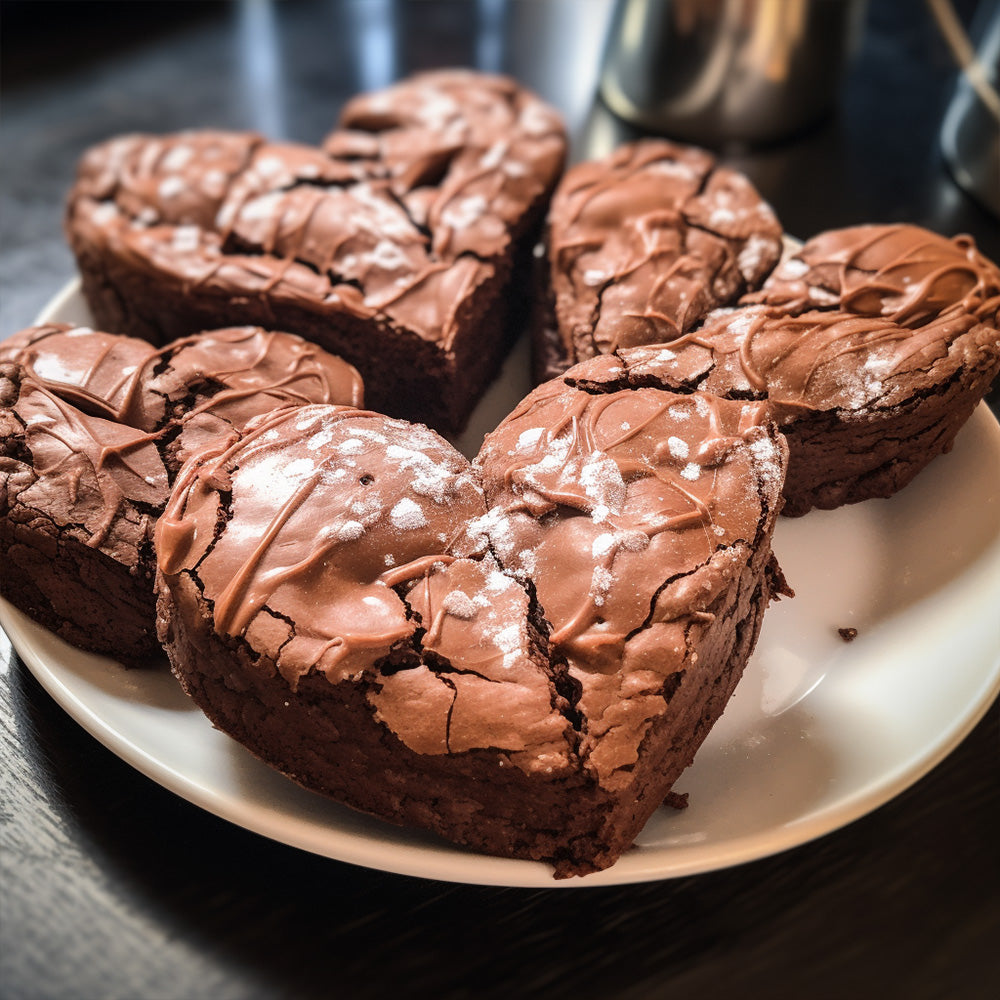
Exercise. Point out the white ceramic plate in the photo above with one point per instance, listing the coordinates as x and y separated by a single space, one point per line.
819 732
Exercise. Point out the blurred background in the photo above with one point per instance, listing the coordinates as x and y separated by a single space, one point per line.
850 129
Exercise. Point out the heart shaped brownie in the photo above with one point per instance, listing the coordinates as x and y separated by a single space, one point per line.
93 428
872 346
641 246
521 654
393 246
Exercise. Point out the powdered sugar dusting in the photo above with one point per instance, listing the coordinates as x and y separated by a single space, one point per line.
869 381
602 481
350 531
429 478
678 447
608 542
794 267
300 468
458 604
352 446
822 297
493 156
767 459
721 216
464 213
600 584
170 187
740 324
494 529
407 516
499 583
186 239
672 168
751 258
529 438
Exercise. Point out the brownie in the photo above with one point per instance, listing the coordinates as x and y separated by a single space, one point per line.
872 346
521 654
93 428
399 245
641 246
78 495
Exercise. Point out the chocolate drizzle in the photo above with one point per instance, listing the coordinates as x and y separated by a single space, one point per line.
857 318
196 387
99 373
95 427
315 497
418 568
903 274
87 468
403 222
643 244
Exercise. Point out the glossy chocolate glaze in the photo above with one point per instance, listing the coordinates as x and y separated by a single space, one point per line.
859 318
331 508
99 373
628 513
92 430
643 244
404 212
901 273
348 546
217 381
630 509
871 346
208 385
102 481
812 361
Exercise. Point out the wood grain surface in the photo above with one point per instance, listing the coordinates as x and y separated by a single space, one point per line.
114 888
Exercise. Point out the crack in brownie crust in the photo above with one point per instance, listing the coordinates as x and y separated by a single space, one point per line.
94 428
641 246
521 655
392 246
871 345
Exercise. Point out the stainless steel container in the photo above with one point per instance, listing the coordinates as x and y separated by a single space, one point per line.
970 134
713 71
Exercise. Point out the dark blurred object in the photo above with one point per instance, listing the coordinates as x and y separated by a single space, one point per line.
970 135
714 71
46 37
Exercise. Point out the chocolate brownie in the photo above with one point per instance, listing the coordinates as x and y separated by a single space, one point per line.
521 655
78 495
395 245
872 346
94 428
641 246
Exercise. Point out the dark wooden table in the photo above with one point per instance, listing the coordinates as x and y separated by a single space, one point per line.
114 888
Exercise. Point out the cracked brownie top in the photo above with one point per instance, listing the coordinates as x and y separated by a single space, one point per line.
99 423
900 273
626 512
405 211
858 318
94 479
644 243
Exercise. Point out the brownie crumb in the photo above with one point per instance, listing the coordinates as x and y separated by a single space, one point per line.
848 634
